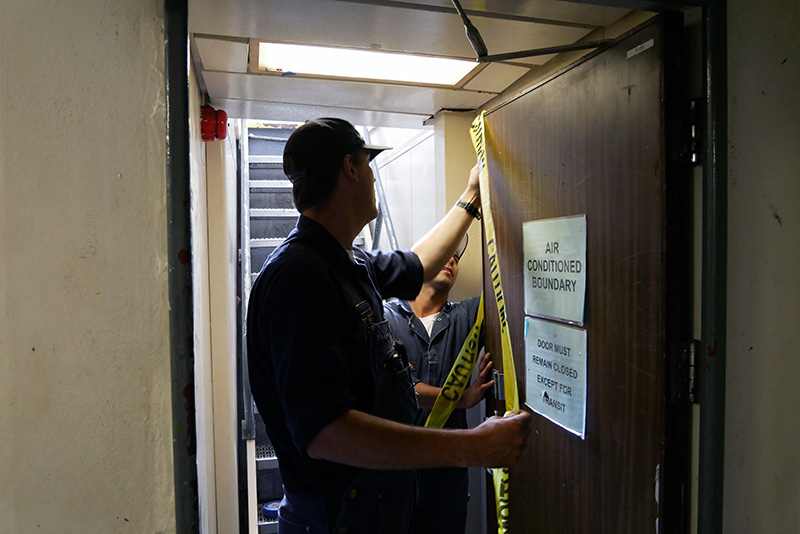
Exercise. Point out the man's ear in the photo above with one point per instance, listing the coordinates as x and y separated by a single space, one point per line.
349 168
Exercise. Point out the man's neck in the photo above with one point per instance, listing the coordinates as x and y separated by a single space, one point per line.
339 223
428 302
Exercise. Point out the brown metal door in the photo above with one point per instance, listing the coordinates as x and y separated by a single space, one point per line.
596 139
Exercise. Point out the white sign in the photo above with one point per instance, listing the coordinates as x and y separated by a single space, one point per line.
555 268
555 373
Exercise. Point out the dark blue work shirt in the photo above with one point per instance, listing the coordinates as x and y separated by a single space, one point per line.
432 357
308 353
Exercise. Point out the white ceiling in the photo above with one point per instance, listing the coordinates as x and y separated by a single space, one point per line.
224 39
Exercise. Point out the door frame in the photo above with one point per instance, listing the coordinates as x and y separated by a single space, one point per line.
711 365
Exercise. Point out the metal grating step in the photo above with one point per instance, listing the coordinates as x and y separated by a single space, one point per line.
258 256
268 213
265 451
271 186
272 224
268 172
263 161
266 525
266 242
265 457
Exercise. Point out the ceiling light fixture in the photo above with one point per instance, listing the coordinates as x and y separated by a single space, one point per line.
361 64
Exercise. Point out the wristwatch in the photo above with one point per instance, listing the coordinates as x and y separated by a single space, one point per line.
471 208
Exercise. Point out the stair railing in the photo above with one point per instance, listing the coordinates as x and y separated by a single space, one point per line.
384 218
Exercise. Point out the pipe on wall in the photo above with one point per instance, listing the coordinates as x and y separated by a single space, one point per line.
711 363
179 247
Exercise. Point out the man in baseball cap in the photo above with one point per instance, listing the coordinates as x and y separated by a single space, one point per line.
313 153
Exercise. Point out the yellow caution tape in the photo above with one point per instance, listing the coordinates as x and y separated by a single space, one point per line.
478 140
500 476
500 479
454 386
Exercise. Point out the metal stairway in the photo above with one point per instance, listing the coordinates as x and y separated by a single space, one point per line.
268 216
272 213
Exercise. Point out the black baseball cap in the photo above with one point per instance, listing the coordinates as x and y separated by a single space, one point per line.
320 142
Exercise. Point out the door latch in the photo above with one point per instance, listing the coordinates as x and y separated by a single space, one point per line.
499 388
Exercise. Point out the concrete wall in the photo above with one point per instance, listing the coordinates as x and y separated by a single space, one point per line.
85 395
762 429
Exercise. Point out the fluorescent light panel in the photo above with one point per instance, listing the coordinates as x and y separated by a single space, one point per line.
363 64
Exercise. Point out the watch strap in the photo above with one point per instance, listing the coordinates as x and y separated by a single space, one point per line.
471 208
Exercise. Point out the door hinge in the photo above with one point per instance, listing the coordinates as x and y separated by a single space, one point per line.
697 108
682 383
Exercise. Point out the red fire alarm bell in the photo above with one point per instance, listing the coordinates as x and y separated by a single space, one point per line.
214 123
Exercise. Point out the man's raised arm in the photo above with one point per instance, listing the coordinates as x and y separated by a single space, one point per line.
438 245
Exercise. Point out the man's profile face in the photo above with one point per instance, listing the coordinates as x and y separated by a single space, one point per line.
366 199
446 278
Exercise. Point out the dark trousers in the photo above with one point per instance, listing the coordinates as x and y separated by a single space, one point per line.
376 503
442 495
